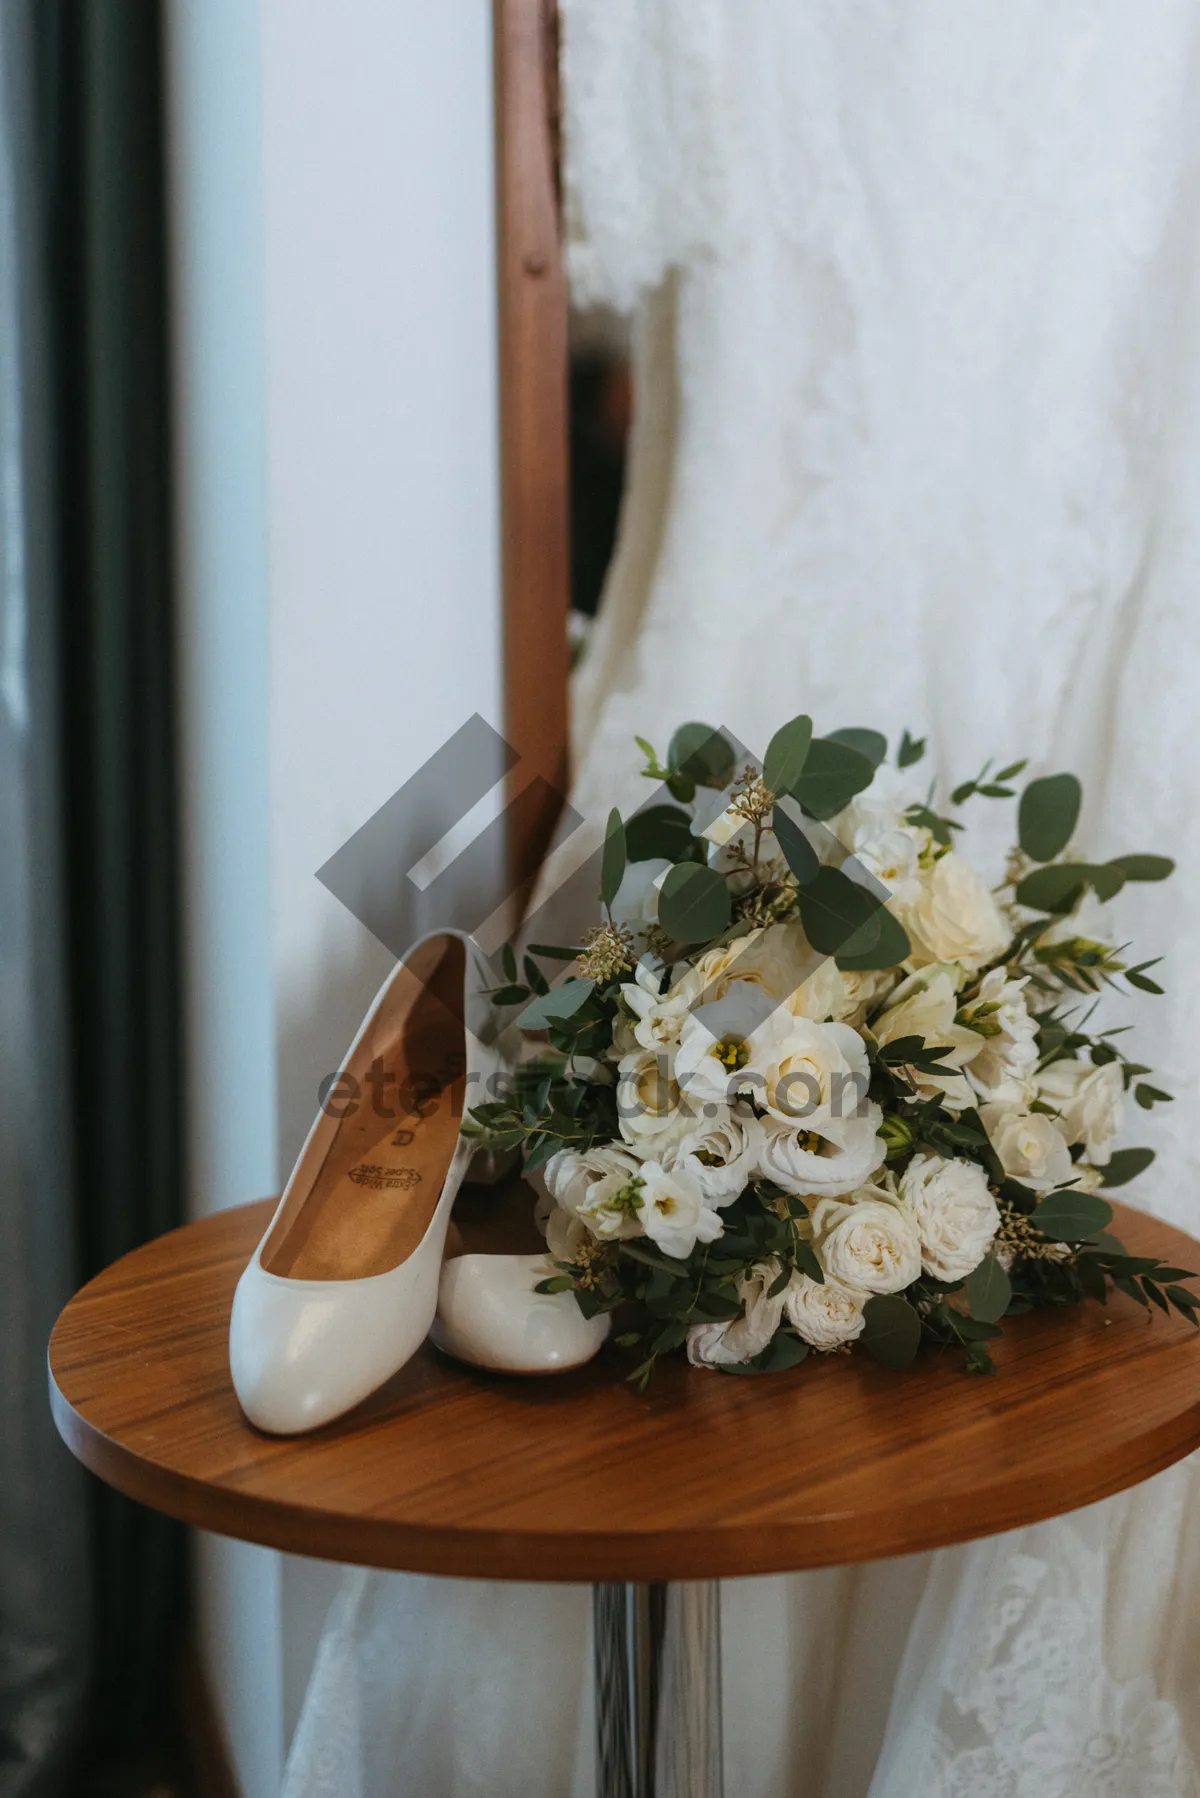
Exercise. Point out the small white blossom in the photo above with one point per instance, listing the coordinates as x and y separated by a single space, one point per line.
674 1213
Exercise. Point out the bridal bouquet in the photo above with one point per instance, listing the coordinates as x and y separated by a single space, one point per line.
810 1081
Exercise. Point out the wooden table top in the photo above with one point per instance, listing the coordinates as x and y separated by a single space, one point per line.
578 1477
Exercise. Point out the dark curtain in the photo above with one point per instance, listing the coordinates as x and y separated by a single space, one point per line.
90 1585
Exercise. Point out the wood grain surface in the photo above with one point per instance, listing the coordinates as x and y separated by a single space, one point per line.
578 1477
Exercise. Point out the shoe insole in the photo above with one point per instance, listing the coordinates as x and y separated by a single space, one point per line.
373 1199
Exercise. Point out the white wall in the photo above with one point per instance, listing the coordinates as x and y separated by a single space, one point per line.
337 355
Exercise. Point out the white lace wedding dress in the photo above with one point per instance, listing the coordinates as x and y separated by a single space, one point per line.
917 286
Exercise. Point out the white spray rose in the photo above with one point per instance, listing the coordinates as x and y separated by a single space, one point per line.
893 856
1030 1147
1090 1102
674 1212
926 1005
566 1233
721 1155
869 1243
825 1316
1002 1070
741 1338
955 1213
659 1016
576 1178
956 918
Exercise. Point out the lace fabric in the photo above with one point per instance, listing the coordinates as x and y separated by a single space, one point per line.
917 439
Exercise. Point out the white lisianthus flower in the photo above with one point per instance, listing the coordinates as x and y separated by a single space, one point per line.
674 1213
955 1213
741 1338
1030 1147
955 917
1002 1070
721 1155
879 808
802 1162
926 1005
636 899
824 1316
868 1242
652 1113
576 1178
893 856
566 1233
659 1016
1090 1102
718 1046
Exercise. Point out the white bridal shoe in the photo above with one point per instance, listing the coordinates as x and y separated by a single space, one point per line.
342 1289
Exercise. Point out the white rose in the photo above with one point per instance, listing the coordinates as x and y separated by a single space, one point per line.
825 1316
721 1155
674 1213
741 1338
800 1161
652 1113
1030 1147
956 918
926 1005
861 989
577 1178
1090 1102
636 900
659 1016
775 958
867 1243
1002 1070
955 1213
817 1074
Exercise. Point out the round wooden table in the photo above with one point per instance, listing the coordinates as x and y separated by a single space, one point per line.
453 1471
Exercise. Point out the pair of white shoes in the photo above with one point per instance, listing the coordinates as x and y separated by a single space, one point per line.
351 1275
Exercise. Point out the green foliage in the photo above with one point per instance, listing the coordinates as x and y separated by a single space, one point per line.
558 1003
910 751
832 775
612 868
1144 867
701 754
1125 1165
1047 816
798 852
1069 1216
694 903
660 833
871 743
989 1291
786 755
892 1331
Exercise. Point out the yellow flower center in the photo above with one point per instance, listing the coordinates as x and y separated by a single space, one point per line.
732 1053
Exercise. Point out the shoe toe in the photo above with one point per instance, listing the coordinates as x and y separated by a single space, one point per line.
490 1315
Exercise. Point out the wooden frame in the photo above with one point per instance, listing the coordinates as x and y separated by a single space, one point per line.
534 465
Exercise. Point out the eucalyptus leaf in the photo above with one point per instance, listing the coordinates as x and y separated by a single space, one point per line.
871 743
798 852
892 1331
559 1003
786 754
700 753
888 947
1047 815
659 833
1143 867
1071 1216
833 908
1125 1165
832 775
989 1290
612 870
1053 889
694 904
911 750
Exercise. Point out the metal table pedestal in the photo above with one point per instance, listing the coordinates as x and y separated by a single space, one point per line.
658 1690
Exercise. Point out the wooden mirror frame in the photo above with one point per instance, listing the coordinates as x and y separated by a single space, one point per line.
534 457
